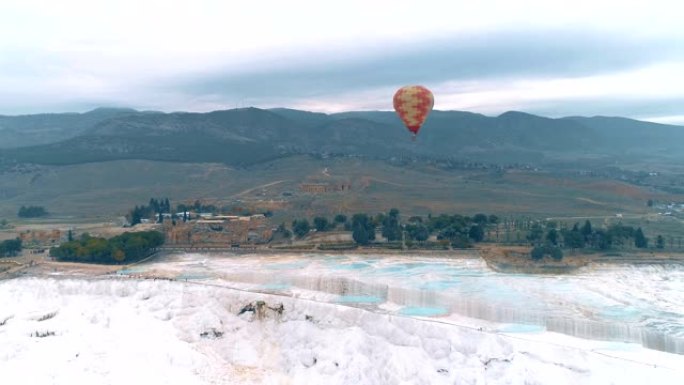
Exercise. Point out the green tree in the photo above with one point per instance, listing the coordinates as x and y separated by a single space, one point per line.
552 237
476 233
118 255
556 253
360 235
439 223
127 247
620 234
363 229
536 233
586 231
660 242
321 224
340 218
480 219
537 253
300 227
573 238
10 247
390 226
640 241
417 231
452 232
602 239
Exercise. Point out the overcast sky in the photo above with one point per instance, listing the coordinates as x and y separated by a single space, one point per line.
594 57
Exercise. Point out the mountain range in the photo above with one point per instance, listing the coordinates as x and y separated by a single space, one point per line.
251 135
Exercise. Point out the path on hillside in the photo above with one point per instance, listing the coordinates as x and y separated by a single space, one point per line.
258 187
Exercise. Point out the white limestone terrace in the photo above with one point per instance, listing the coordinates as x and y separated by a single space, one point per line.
113 331
353 319
622 303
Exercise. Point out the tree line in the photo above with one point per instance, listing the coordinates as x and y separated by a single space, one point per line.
460 231
549 239
154 207
197 207
588 236
124 248
32 212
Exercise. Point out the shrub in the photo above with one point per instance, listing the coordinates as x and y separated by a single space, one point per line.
32 212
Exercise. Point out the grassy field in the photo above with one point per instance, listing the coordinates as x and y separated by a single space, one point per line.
104 191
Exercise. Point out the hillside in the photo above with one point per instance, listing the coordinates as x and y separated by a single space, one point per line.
251 135
31 130
514 163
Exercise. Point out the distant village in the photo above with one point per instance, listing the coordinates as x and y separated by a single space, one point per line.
197 229
670 209
190 228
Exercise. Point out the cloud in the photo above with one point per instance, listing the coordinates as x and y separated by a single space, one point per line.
550 72
478 57
486 56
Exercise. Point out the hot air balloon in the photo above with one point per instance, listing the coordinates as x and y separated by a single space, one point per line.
413 104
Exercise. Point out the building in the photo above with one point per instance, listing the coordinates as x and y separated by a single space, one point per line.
43 238
321 188
220 230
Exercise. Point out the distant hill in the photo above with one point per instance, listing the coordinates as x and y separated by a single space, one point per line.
635 136
250 135
31 130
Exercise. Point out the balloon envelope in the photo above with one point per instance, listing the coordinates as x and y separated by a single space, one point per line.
413 104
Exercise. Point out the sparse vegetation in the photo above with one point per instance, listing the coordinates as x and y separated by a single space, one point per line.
47 333
212 333
32 212
283 232
47 316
